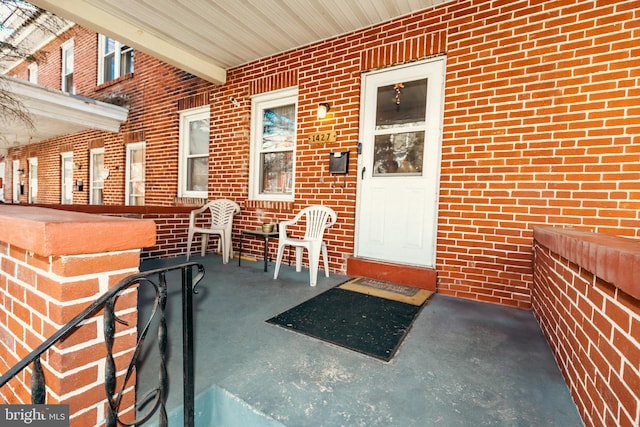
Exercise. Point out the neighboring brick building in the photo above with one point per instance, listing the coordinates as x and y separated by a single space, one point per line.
540 126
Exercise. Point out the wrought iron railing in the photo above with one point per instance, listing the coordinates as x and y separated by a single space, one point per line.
157 395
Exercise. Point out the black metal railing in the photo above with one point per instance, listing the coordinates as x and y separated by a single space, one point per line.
158 395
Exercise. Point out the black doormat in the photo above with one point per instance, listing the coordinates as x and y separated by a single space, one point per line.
364 323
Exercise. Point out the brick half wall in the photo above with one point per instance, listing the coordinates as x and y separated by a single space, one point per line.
587 303
53 265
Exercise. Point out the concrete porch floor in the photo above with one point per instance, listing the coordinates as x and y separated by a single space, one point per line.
463 363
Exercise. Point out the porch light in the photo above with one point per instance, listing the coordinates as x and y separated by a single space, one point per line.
323 109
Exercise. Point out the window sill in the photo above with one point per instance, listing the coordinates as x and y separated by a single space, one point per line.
113 82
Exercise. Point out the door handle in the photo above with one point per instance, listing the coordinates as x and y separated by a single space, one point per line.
364 168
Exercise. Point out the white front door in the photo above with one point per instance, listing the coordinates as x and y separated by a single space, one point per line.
399 166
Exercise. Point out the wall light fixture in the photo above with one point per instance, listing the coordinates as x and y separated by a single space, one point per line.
323 109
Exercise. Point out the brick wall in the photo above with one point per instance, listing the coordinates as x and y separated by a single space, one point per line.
540 127
590 313
46 279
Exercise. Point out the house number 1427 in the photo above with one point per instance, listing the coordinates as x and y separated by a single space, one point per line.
322 137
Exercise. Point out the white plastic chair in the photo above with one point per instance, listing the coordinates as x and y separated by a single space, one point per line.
317 218
222 212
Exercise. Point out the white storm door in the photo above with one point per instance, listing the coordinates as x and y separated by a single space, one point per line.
399 167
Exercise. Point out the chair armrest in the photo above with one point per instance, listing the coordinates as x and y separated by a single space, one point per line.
194 213
282 228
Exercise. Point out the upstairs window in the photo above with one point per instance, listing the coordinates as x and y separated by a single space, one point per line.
114 59
193 176
33 73
273 143
67 67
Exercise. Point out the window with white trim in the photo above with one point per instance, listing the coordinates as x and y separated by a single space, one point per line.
17 181
32 71
3 179
67 67
273 143
114 59
96 176
66 178
33 180
193 174
134 179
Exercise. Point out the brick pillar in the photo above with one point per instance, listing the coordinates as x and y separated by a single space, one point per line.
53 264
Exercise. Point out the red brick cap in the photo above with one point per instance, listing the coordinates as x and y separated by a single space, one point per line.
50 232
614 259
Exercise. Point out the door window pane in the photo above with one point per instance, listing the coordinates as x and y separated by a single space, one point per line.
398 153
399 132
402 104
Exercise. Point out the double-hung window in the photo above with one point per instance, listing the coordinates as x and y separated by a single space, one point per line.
96 176
67 67
135 174
17 181
32 72
193 175
273 143
114 59
33 180
66 175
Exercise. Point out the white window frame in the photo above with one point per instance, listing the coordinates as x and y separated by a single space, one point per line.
186 117
33 179
3 179
117 53
32 69
16 181
67 49
258 104
137 146
95 179
64 185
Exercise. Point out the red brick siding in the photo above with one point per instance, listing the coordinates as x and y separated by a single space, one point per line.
540 127
41 294
593 329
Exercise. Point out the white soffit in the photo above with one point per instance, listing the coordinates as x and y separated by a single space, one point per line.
54 113
208 37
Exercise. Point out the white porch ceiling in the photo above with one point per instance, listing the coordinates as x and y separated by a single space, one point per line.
207 37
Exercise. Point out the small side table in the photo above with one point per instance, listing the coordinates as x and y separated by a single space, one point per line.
265 237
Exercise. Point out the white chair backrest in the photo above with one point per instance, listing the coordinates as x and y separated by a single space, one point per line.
318 218
222 211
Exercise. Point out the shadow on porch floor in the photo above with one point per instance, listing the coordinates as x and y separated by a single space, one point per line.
463 362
